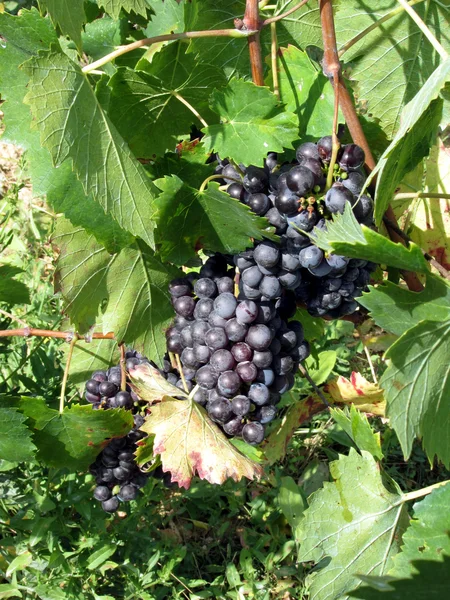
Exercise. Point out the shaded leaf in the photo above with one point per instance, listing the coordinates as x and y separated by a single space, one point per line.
396 309
357 427
185 438
90 357
291 502
97 558
427 537
320 366
346 236
101 159
359 532
305 91
168 18
189 220
417 388
275 445
252 123
419 121
113 7
313 327
147 106
8 590
366 396
12 291
15 437
69 16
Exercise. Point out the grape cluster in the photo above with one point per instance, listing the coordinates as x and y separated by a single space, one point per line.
291 197
237 355
117 475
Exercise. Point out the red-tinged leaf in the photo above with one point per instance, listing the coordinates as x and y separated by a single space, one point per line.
366 396
276 444
150 385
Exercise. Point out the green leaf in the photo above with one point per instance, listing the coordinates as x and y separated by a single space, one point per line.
113 7
188 163
359 531
417 388
130 287
432 580
101 37
313 327
21 562
90 357
392 63
168 18
320 366
396 309
12 291
100 556
100 157
427 535
148 106
357 427
189 220
302 28
346 236
8 590
291 502
69 15
15 437
305 91
74 438
419 121
252 123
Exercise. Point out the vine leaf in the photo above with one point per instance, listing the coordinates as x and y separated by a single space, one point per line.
168 18
393 62
90 357
189 220
113 7
427 535
100 157
358 533
130 287
152 97
430 575
366 396
305 91
346 236
15 437
302 27
320 366
276 443
419 121
396 309
185 438
251 122
12 291
69 15
417 388
357 427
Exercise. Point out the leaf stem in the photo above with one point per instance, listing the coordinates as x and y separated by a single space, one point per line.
366 31
190 107
303 370
123 371
31 331
187 35
423 27
273 56
66 373
372 369
180 370
211 178
284 15
252 22
424 491
194 391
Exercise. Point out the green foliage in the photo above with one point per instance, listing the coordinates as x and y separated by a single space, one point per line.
113 7
250 119
12 291
69 16
357 427
15 437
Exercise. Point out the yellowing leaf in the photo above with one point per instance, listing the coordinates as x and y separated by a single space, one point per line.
366 396
190 443
150 385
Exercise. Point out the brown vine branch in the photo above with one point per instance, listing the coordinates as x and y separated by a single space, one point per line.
351 118
284 15
252 23
63 335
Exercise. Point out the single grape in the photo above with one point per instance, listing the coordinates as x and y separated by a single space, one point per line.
215 320
225 305
225 284
123 400
337 263
199 329
282 365
247 371
229 173
233 427
236 190
262 359
259 203
202 353
304 220
271 160
289 280
267 254
200 396
92 398
205 288
255 179
244 260
265 376
259 337
276 219
248 292
289 262
240 405
128 492
253 433
92 387
102 492
241 352
180 287
222 360
321 270
187 339
206 377
259 394
336 198
352 157
325 148
107 388
286 202
301 352
203 308
185 388
111 505
300 180
180 322
351 274
235 330
121 473
310 257
266 414
188 358
331 300
184 306
252 276
307 150
216 338
270 287
315 167
99 376
354 182
228 383
220 410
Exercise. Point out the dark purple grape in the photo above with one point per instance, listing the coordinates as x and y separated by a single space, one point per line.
111 505
267 254
200 396
216 320
229 173
289 262
286 202
203 308
351 274
222 360
241 405
363 209
253 433
128 492
265 376
229 383
188 358
266 414
187 338
354 182
246 311
337 197
225 305
224 285
123 400
205 288
270 287
304 220
258 203
337 263
174 344
185 388
252 276
102 492
99 376
244 260
262 359
255 179
235 330
352 157
121 473
259 337
282 365
202 353
92 398
325 148
310 257
180 322
331 300
276 219
307 150
206 377
108 389
220 410
271 160
301 352
233 427
241 352
246 371
316 169
92 387
259 394
184 306
249 293
236 190
289 280
300 180
180 287
216 338
322 270
199 329
275 345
